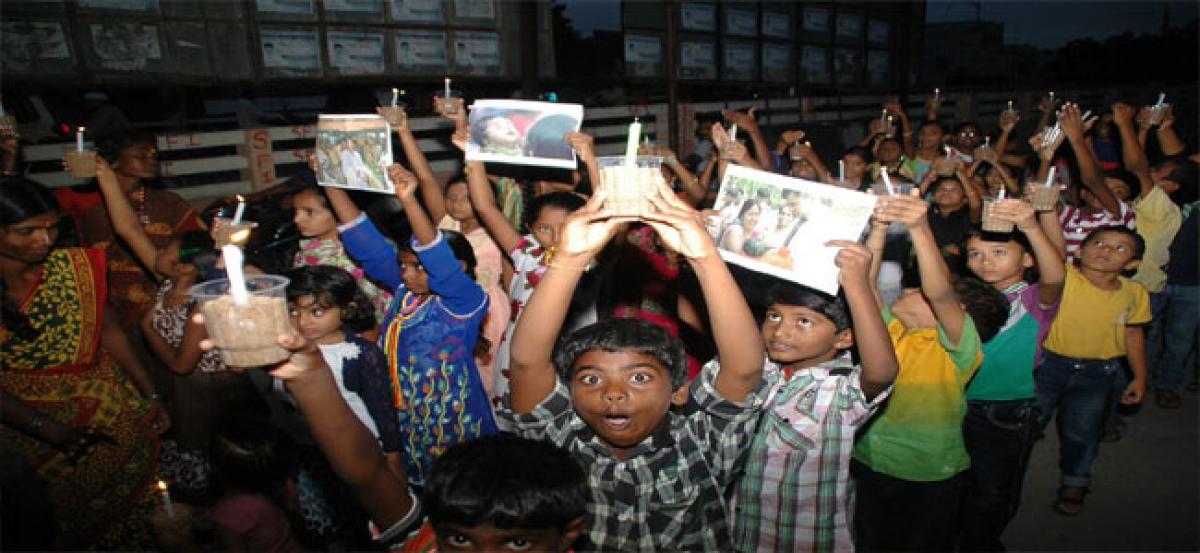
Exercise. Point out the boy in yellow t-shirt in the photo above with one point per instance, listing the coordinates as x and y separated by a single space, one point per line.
1099 321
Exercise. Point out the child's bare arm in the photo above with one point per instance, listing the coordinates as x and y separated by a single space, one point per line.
1135 351
879 364
935 276
483 199
585 149
352 451
1050 224
431 190
876 240
343 207
584 233
739 346
122 216
1133 156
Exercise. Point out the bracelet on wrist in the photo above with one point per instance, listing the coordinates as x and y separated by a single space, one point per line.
566 267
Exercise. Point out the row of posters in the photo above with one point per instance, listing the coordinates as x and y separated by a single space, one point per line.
739 61
414 11
118 46
702 17
820 20
356 53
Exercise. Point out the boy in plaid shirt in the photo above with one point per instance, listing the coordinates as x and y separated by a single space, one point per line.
795 495
658 479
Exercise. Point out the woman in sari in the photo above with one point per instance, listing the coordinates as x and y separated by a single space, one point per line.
75 400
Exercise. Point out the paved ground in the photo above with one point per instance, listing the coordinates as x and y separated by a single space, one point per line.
1145 491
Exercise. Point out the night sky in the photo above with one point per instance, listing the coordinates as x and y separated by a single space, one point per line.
1042 24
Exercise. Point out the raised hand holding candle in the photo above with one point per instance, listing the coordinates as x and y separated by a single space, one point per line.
395 96
166 499
79 139
631 143
1162 97
241 210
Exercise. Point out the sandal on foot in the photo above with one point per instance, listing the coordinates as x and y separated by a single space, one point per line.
1070 500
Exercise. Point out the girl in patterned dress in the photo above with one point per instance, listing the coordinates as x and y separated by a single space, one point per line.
431 328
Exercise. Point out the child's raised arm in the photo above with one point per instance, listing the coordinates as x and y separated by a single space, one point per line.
483 199
431 190
935 276
1051 270
585 148
122 216
879 364
739 344
352 451
406 187
876 240
584 233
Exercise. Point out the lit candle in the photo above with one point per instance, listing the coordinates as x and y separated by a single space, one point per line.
446 88
1162 97
882 117
1000 195
166 499
79 139
1050 177
395 96
887 181
841 171
937 94
241 210
631 143
1010 106
237 279
1051 95
987 142
946 149
733 133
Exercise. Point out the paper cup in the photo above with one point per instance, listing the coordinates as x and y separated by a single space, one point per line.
1158 113
1042 197
81 165
991 223
629 186
246 335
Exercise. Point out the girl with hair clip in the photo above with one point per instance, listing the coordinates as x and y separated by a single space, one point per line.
431 329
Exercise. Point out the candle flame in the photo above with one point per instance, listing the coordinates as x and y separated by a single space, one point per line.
239 237
162 486
395 90
81 129
241 200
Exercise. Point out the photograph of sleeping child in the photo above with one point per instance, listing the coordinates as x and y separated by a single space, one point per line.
523 133
354 151
776 225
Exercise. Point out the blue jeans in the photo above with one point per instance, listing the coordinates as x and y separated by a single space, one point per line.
1079 389
999 437
1179 335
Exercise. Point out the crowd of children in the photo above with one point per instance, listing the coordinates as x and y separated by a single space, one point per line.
586 379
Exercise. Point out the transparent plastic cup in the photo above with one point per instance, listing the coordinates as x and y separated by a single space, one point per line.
898 189
246 335
991 223
1042 197
225 232
728 153
449 105
628 186
1158 113
81 165
396 116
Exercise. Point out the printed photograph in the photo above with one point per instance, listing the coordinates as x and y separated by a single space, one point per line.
523 133
354 151
775 224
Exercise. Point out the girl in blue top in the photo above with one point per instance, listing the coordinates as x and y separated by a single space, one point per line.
430 329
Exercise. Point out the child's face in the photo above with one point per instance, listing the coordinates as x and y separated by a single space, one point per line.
1119 188
949 195
458 202
912 310
312 218
801 337
1000 264
166 262
622 395
855 166
1109 252
316 321
548 225
889 151
485 537
413 273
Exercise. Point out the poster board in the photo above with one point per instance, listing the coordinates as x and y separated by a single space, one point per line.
779 225
523 133
698 16
776 62
643 55
697 59
34 47
120 46
290 52
848 65
738 61
419 50
354 152
741 22
418 11
814 64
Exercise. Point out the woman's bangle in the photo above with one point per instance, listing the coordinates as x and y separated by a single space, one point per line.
671 161
553 265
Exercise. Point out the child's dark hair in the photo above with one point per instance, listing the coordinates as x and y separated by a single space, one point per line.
197 248
111 145
249 455
1139 243
506 482
458 244
987 306
567 201
862 153
615 335
1017 237
332 287
832 308
320 193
